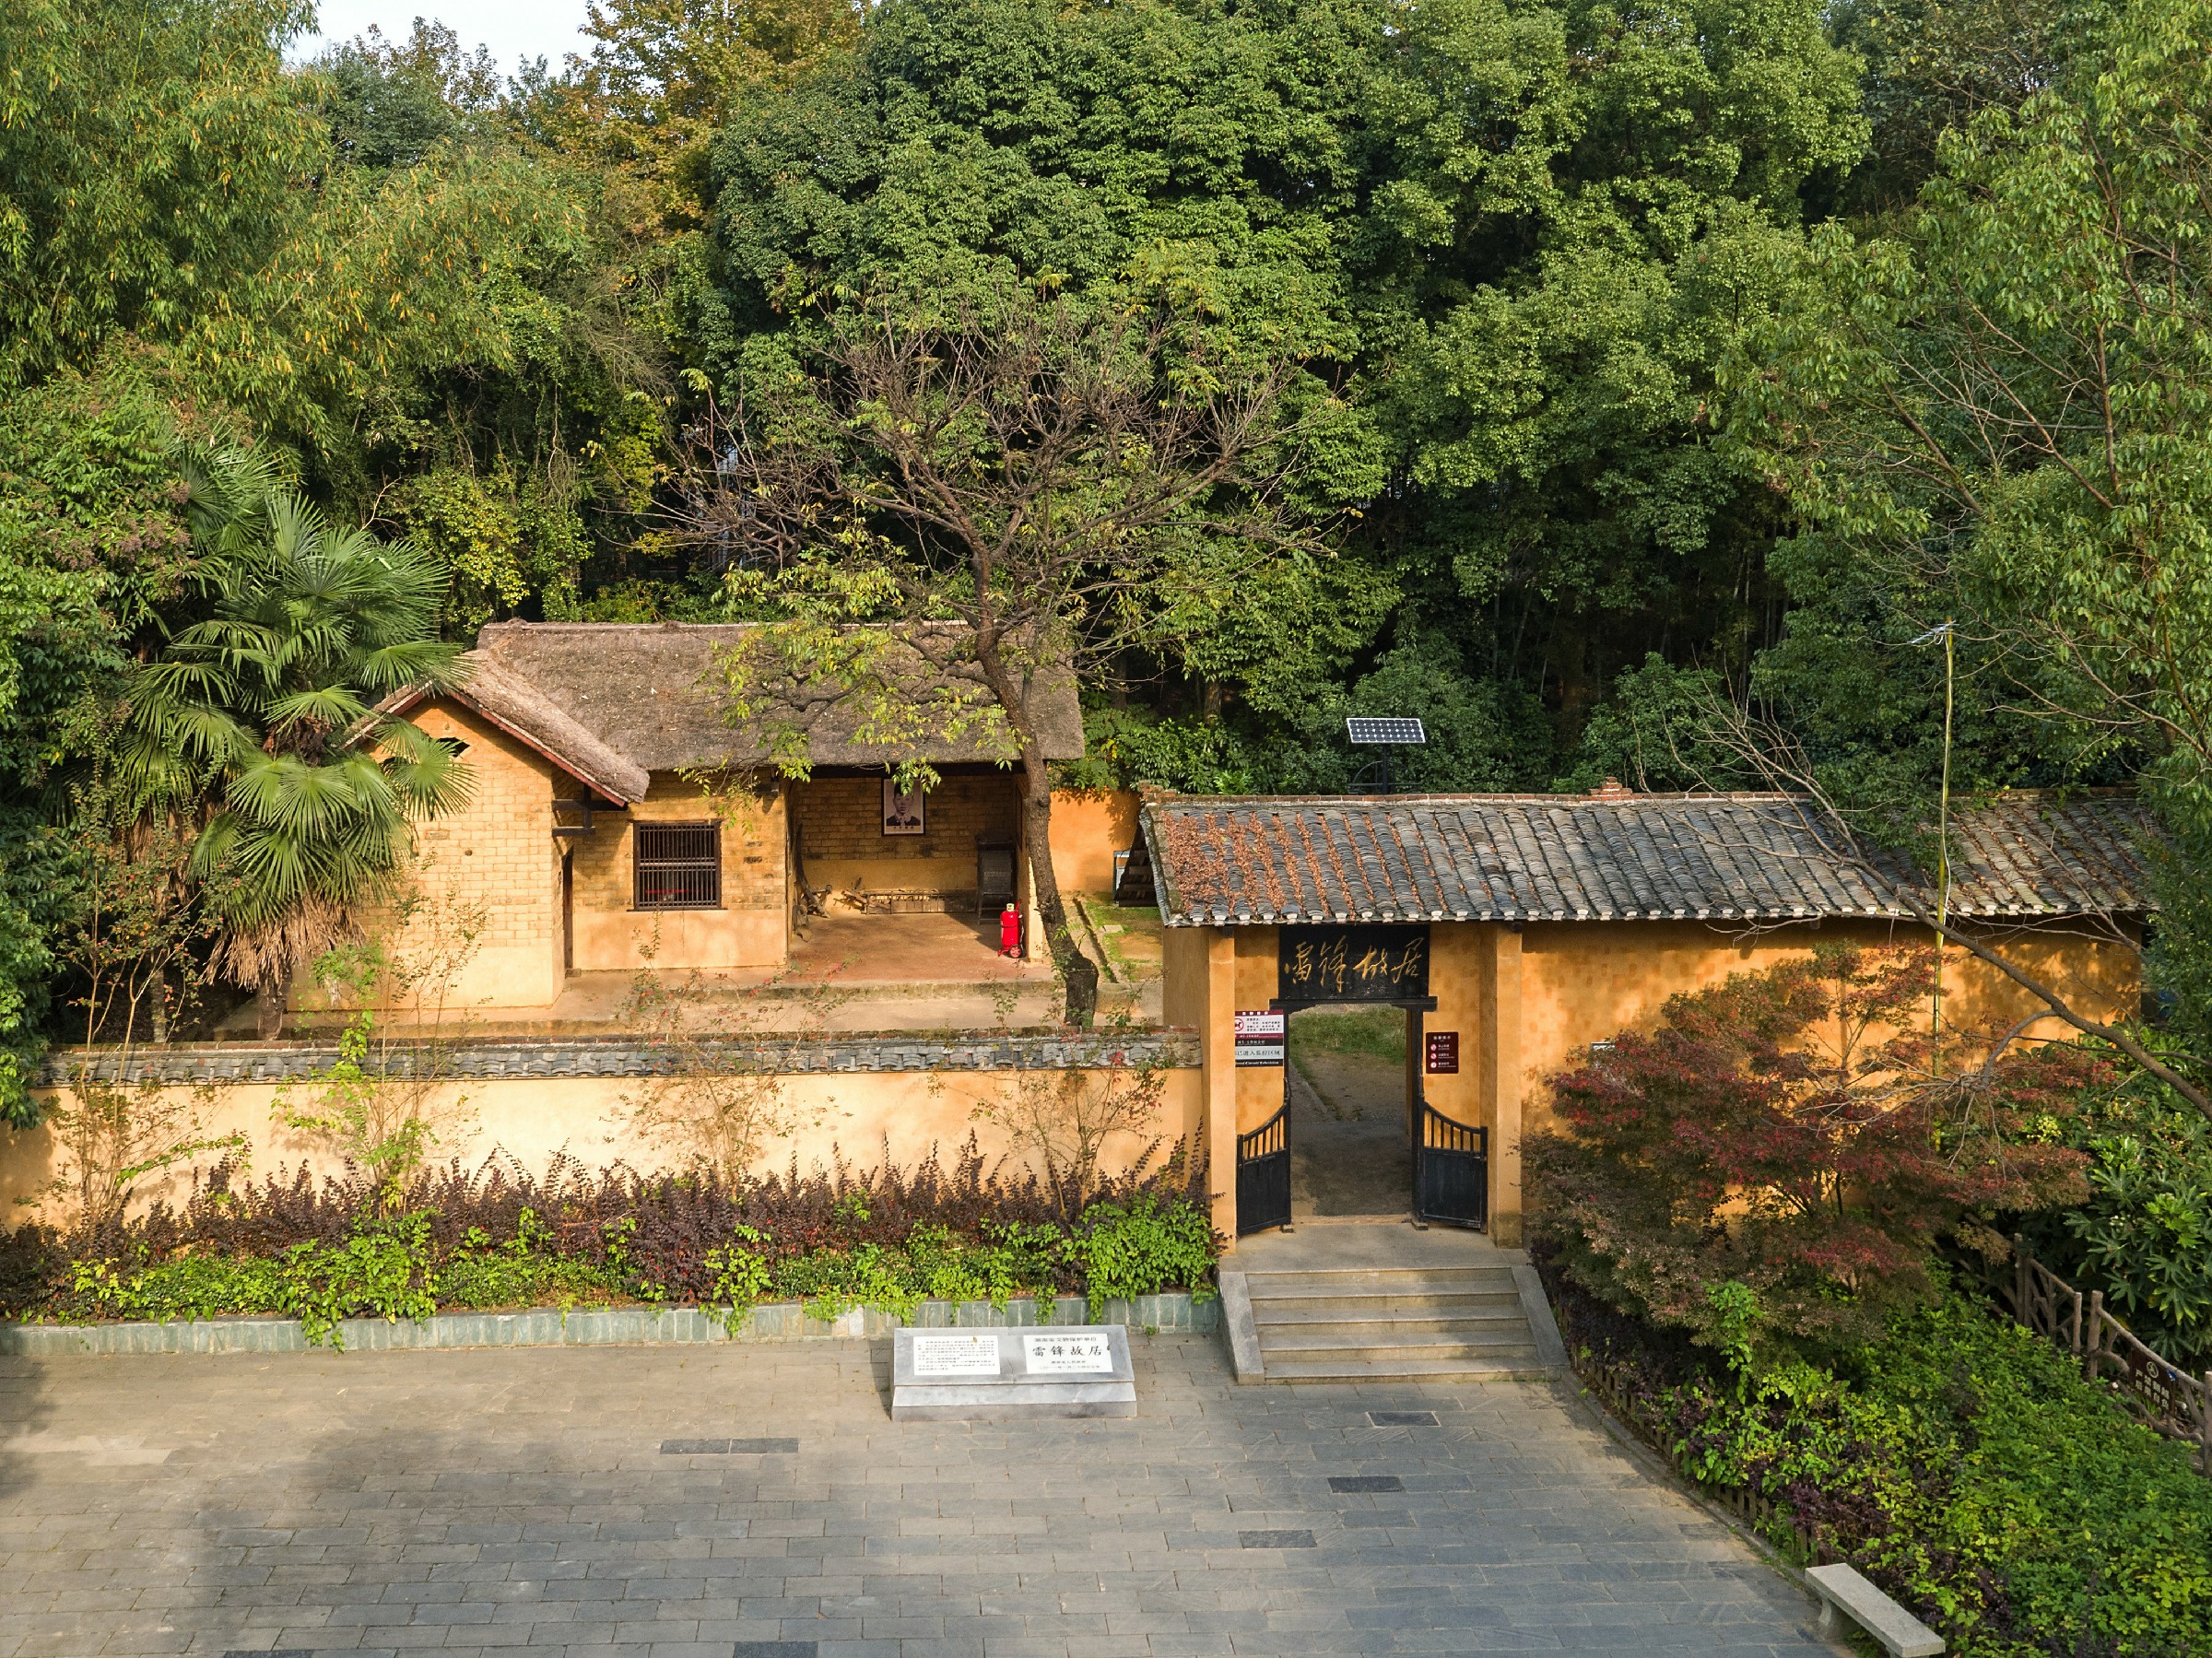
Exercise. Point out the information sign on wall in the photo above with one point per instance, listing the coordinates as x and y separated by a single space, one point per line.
1260 1038
1442 1059
1353 964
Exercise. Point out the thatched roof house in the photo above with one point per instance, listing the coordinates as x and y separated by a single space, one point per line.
610 703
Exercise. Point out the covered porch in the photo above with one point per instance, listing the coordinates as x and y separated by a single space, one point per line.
861 846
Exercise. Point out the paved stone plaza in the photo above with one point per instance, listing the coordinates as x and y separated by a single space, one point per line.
484 1501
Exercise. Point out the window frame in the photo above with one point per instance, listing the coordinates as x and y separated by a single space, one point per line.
706 866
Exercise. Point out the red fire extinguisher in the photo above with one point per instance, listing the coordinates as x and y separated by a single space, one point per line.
1009 932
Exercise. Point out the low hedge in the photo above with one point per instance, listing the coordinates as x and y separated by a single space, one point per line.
1961 1464
498 1237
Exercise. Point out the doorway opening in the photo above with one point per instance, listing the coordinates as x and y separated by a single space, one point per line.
1355 1137
1346 1077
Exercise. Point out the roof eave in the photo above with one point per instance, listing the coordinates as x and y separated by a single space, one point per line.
620 794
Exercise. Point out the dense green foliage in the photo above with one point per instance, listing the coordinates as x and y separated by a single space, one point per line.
2143 1235
1986 411
1960 1462
394 1268
1517 237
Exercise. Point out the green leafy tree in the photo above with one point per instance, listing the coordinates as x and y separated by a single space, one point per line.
390 105
663 77
1931 67
92 541
1514 239
272 696
150 155
1998 414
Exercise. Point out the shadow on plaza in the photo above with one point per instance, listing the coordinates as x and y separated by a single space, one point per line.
25 1412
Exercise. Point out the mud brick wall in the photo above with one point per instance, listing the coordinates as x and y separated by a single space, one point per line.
493 865
842 817
846 854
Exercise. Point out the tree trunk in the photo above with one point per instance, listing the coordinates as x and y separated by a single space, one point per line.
1076 970
268 1009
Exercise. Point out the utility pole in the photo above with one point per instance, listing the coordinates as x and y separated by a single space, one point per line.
1948 632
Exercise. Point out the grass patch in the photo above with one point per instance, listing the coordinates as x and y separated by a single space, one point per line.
1360 1032
1130 917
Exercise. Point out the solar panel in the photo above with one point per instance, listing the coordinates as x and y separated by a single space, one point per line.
1366 730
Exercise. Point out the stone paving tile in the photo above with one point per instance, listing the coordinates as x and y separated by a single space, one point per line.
524 1502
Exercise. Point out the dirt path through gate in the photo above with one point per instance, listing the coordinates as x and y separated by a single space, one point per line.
1349 1152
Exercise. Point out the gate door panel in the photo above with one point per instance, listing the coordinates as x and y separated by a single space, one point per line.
1451 1171
1264 1175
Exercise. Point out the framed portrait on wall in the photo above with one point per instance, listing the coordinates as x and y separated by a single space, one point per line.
903 809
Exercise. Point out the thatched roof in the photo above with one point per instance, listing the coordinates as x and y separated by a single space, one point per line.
1245 861
611 703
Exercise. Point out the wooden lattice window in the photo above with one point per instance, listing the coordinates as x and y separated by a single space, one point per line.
680 866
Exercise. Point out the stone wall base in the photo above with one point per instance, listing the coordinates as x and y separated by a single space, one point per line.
589 1327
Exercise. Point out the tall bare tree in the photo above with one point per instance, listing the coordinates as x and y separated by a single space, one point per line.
1028 486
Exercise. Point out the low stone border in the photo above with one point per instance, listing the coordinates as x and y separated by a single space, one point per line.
193 1063
1237 1323
589 1327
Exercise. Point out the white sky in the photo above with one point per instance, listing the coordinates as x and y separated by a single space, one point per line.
512 29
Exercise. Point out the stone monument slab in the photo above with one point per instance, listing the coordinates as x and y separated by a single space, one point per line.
1042 1370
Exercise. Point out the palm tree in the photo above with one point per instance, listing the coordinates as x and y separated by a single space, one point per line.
266 710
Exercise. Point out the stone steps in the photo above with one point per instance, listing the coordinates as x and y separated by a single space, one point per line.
1292 1318
1325 1303
1419 1369
1370 1346
1380 1323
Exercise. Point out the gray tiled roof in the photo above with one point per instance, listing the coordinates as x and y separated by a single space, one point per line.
1544 857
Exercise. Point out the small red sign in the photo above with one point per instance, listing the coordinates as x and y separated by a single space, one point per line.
1443 1054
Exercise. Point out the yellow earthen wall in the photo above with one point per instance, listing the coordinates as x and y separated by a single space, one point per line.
1587 982
1089 827
866 1115
611 935
1259 1088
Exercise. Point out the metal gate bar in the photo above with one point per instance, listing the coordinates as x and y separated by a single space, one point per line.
1264 1175
1451 1171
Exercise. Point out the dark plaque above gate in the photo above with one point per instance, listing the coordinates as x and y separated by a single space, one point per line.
1353 964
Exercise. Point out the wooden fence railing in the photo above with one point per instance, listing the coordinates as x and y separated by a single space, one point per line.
2159 1394
1610 1385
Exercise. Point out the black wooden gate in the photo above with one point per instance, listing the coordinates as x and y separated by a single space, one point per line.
1451 1171
1264 1175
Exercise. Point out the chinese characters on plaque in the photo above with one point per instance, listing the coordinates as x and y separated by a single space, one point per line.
940 1355
1070 1353
1353 964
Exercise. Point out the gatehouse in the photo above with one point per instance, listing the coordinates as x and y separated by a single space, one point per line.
1513 933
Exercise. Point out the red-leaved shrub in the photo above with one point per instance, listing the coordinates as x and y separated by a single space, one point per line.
1777 1163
